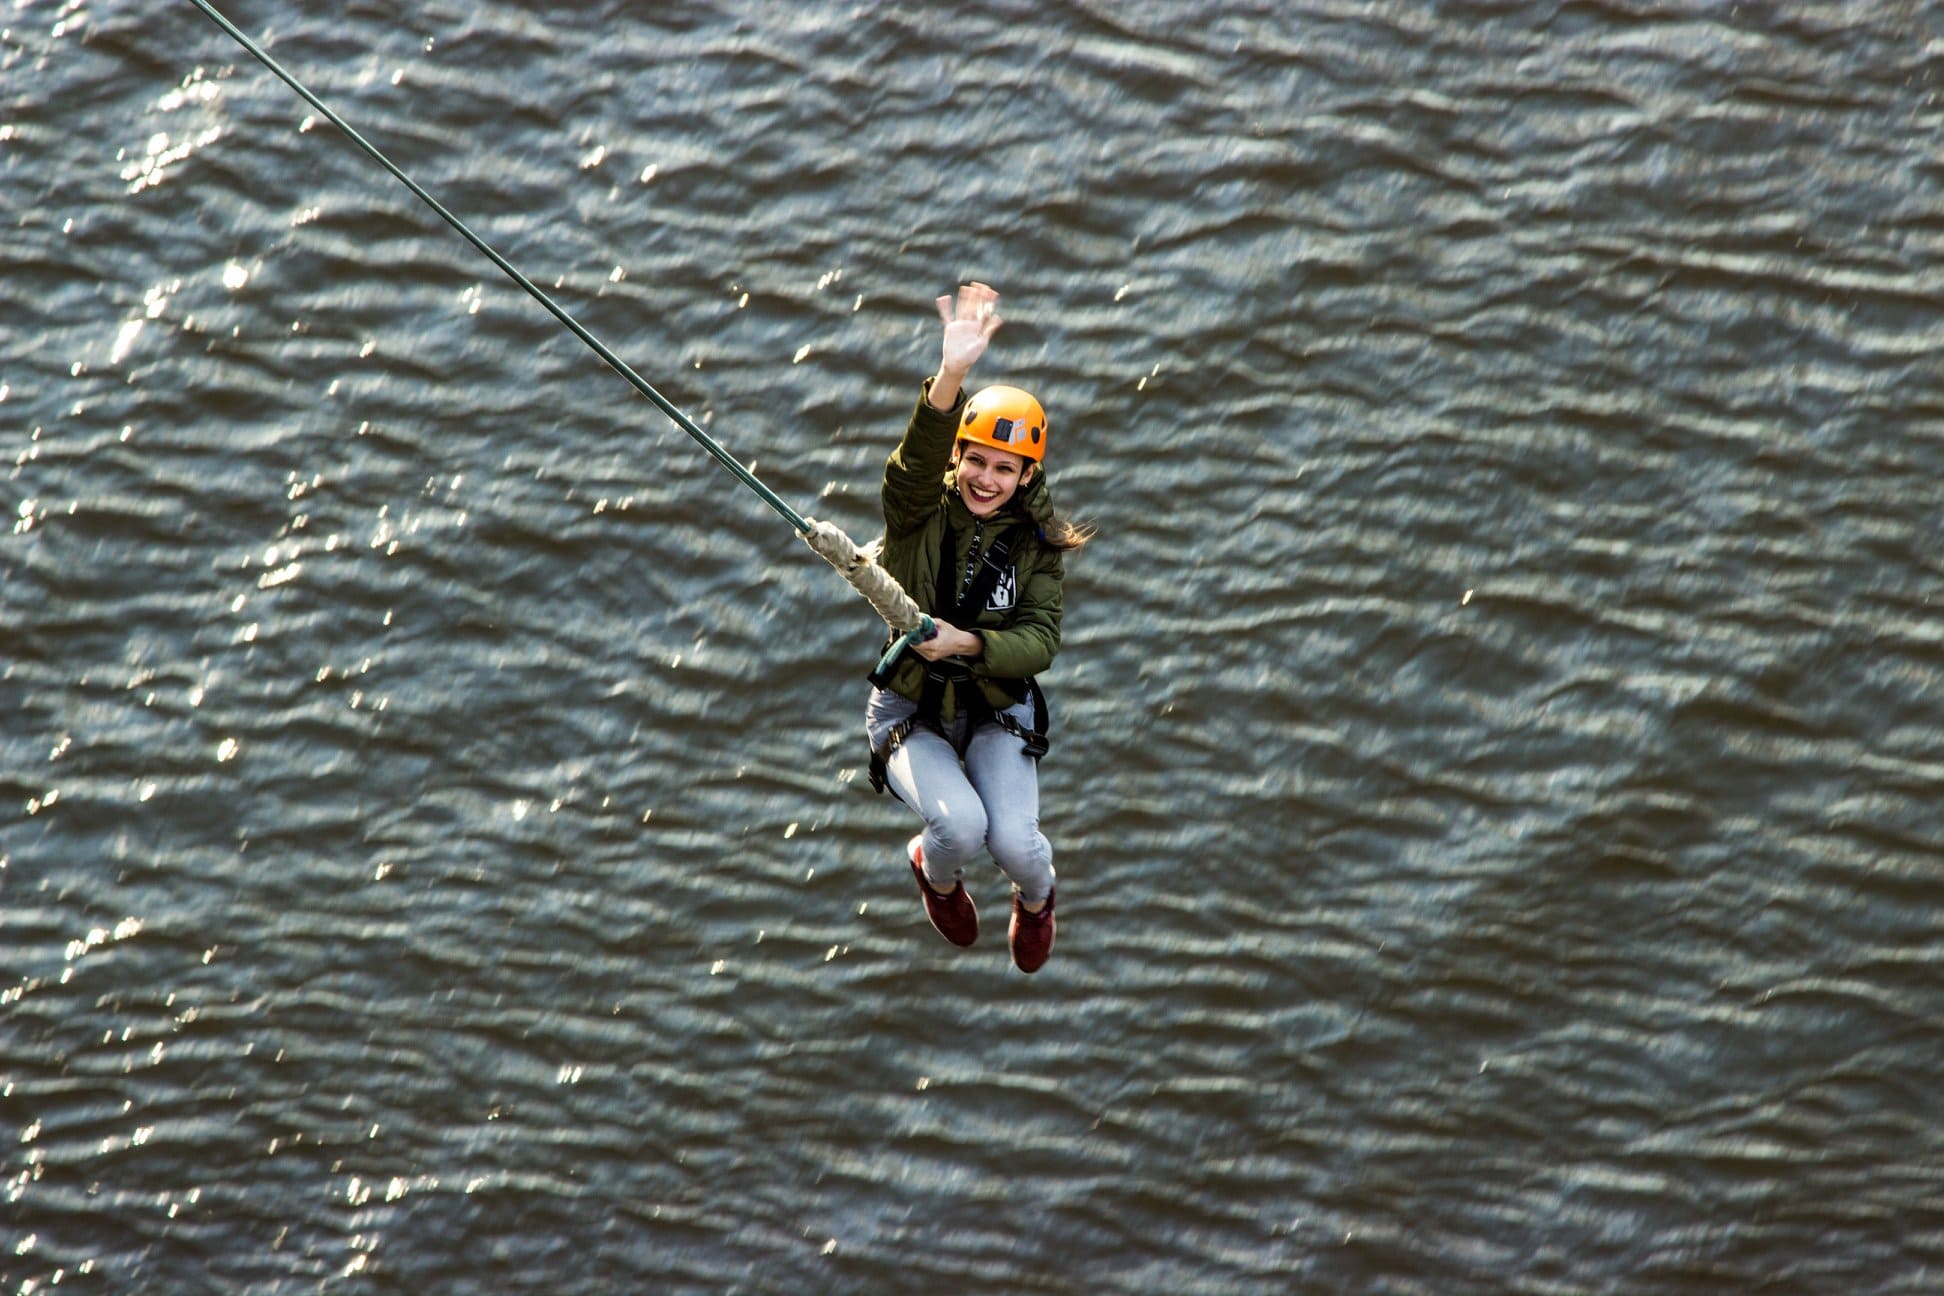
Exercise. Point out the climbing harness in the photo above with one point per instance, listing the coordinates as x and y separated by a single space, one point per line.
959 598
906 620
1033 736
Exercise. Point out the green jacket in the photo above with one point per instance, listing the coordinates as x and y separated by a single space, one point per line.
920 499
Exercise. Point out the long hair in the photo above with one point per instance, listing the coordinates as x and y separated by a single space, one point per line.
1066 535
1061 532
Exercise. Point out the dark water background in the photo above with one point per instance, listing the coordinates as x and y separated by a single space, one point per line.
1499 756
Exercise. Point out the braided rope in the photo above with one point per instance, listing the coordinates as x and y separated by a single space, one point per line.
885 595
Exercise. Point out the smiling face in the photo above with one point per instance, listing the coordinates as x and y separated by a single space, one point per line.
987 478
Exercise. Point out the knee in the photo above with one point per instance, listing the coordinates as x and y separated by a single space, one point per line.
958 830
1019 848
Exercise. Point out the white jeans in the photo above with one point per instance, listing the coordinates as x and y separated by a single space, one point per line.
989 799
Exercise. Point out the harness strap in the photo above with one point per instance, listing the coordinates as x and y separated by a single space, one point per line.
892 741
980 581
1035 735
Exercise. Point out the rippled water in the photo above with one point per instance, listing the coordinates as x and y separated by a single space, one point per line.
1498 763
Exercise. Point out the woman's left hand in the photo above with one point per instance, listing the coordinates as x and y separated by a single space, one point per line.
950 641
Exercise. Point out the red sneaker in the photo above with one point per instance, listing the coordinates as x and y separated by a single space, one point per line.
1031 935
953 913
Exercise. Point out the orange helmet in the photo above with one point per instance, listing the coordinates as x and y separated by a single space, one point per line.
1005 418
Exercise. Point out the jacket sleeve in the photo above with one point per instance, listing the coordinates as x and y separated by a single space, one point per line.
914 475
1026 645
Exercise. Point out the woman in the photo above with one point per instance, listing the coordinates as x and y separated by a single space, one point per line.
957 724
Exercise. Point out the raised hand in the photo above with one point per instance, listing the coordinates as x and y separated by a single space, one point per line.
970 320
